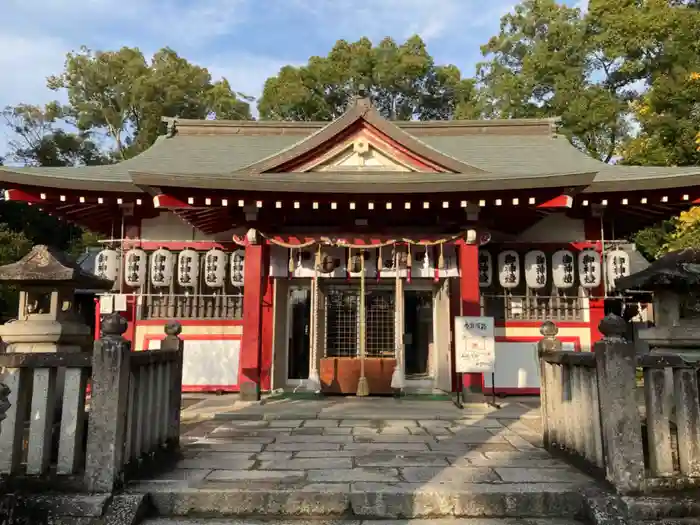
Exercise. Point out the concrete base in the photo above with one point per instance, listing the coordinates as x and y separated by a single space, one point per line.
250 392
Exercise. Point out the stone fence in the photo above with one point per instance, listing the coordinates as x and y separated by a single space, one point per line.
639 438
87 421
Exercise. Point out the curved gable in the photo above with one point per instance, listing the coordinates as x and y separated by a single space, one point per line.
362 129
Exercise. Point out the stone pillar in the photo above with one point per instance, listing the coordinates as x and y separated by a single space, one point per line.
251 342
622 427
108 407
470 301
549 343
173 341
4 403
667 310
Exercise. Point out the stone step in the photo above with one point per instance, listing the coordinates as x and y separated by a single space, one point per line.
672 521
655 509
370 500
350 521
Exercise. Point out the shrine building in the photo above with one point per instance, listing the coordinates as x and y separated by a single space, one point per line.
296 253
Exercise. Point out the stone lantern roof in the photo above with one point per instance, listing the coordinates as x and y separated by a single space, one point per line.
676 271
44 266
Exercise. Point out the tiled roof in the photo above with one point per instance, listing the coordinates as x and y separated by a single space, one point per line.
216 150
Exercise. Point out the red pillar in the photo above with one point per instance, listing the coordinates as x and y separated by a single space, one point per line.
266 335
251 342
596 305
469 294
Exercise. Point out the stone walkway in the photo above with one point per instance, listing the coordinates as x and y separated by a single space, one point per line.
380 450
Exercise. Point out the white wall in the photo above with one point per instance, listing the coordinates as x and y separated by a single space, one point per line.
555 228
169 227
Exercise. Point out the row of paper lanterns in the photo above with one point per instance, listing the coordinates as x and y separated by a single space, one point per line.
163 266
565 265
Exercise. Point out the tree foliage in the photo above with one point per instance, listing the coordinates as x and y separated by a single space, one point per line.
403 81
125 95
39 141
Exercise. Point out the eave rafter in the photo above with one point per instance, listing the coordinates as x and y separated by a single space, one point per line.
96 211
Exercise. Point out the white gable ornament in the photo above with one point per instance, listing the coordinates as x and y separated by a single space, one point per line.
188 268
485 269
509 269
107 264
136 266
563 269
237 267
589 268
215 268
535 269
618 265
161 268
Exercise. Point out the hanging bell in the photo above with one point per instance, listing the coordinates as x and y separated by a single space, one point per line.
328 264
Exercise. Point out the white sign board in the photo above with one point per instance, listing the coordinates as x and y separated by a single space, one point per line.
475 348
212 363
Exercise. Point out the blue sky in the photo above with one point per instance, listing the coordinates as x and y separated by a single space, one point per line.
245 41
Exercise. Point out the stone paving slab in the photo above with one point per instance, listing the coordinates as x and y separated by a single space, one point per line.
385 466
450 452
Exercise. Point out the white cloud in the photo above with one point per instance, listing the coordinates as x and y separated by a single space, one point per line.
36 34
431 19
190 23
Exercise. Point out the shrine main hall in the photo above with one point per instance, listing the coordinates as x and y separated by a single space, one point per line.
299 255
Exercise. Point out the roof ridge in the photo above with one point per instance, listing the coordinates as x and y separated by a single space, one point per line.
400 123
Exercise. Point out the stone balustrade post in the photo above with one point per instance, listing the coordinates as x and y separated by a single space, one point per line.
621 423
172 341
108 407
549 343
4 402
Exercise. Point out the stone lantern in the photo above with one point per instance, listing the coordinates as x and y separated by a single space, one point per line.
674 280
47 320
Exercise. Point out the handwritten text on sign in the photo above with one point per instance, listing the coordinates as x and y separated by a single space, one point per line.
475 347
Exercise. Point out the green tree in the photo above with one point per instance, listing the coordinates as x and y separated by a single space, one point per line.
403 81
123 94
547 61
39 141
13 246
656 42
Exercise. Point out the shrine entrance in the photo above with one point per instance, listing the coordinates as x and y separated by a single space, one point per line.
299 326
418 334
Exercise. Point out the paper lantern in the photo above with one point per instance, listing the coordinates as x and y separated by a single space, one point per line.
563 269
535 269
618 265
135 267
215 268
107 264
589 271
237 267
509 269
188 268
161 268
485 269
